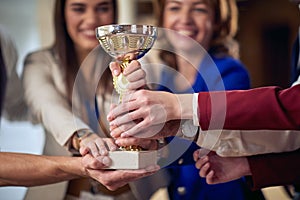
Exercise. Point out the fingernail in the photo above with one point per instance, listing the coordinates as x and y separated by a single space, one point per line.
106 161
110 117
124 135
102 152
113 148
111 123
116 72
112 134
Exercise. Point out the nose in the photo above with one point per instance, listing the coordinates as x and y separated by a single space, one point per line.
91 17
185 16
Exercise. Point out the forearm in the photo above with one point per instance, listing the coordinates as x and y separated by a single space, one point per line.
275 169
50 106
15 107
250 109
30 170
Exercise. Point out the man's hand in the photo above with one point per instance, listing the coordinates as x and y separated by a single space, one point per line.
113 179
218 169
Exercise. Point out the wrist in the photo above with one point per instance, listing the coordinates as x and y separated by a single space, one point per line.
170 129
70 167
83 169
78 136
173 106
184 108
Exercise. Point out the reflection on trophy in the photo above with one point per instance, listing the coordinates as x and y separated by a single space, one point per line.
126 43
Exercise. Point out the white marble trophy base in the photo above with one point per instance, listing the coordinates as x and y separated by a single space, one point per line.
132 159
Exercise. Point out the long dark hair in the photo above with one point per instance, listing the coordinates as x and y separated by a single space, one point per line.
64 46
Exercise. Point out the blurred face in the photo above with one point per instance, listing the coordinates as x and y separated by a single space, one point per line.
192 18
83 16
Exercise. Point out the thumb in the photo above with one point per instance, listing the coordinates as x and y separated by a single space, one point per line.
115 68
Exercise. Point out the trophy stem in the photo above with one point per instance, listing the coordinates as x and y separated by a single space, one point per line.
120 82
124 64
126 43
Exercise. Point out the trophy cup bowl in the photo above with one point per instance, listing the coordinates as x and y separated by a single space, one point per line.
125 43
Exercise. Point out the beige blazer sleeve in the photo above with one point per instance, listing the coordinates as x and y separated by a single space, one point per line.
14 104
45 95
228 143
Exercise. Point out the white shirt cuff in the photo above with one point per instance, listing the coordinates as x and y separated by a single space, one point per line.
195 109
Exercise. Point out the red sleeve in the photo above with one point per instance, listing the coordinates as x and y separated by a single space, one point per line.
260 108
275 169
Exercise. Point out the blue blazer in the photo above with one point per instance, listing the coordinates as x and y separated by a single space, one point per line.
214 74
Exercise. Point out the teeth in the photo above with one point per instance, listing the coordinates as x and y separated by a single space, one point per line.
89 32
185 32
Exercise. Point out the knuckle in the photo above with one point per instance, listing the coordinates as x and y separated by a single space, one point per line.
134 62
143 92
147 123
132 115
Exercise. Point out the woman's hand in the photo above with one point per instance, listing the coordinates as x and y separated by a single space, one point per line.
141 110
97 146
134 73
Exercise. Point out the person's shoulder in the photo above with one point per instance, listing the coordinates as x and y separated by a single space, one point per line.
5 36
41 55
228 60
41 52
8 49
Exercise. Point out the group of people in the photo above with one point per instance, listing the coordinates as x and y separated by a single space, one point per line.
68 88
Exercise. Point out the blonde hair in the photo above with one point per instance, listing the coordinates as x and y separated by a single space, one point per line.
226 21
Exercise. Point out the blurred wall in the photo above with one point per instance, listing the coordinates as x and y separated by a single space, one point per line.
267 31
29 24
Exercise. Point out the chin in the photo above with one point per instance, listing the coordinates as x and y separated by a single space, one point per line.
91 45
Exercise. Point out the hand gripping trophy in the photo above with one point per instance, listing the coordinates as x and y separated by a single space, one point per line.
126 43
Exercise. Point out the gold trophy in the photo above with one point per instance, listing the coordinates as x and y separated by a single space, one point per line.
126 43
